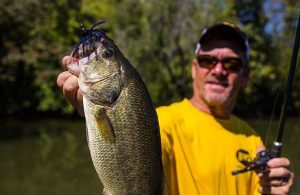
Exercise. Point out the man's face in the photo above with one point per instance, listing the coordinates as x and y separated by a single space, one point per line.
218 86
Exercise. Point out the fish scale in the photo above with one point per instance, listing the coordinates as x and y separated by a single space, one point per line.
125 164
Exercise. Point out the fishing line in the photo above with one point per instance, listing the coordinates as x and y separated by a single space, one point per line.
274 114
288 91
275 105
78 17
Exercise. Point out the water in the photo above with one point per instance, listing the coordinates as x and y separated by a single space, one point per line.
46 157
50 156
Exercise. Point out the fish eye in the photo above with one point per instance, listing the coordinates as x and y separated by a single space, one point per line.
108 53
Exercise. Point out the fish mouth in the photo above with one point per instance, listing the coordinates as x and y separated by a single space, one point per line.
97 80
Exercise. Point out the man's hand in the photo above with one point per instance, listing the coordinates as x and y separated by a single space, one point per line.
68 83
278 179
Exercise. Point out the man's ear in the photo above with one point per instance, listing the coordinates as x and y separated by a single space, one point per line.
194 66
245 76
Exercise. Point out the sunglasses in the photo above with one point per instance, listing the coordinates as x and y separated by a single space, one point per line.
229 63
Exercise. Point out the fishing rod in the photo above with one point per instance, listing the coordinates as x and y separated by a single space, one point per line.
261 159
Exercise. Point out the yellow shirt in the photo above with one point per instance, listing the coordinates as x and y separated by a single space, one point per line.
199 152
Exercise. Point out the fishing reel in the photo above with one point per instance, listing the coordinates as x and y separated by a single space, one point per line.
259 163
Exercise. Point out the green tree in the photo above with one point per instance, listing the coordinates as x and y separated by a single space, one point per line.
264 78
33 37
157 36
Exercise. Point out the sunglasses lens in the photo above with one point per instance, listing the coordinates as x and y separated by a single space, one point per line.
232 64
229 63
206 61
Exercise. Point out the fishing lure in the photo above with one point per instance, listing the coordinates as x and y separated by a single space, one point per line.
92 38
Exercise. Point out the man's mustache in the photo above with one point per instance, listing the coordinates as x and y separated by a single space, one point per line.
218 80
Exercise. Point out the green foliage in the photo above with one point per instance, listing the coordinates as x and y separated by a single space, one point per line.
33 39
271 39
157 36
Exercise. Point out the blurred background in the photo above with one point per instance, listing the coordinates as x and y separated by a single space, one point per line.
42 139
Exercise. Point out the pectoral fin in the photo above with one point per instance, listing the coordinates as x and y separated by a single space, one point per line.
105 127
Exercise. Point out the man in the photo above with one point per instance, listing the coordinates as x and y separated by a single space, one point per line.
200 136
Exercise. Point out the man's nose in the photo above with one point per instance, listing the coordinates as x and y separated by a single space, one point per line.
218 69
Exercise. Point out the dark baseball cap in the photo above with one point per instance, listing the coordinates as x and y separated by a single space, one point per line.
226 31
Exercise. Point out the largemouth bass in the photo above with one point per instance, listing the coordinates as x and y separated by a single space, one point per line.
122 126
